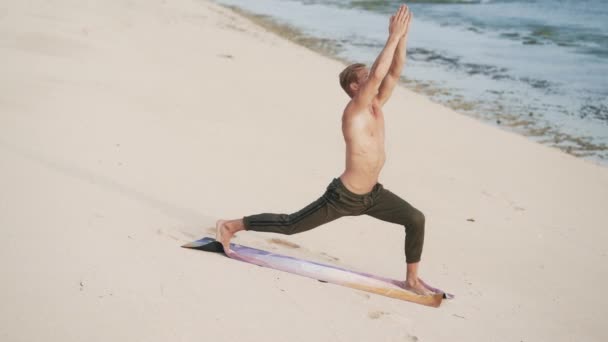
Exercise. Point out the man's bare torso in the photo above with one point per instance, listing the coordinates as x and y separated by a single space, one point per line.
363 132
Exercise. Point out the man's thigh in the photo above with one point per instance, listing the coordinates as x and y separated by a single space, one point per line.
391 208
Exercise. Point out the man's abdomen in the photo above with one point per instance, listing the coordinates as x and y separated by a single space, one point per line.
362 170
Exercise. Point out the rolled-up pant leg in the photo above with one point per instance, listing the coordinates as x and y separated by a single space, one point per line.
391 208
313 215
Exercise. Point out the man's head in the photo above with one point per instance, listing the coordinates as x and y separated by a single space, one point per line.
352 77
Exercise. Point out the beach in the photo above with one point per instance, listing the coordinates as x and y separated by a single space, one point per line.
127 128
531 67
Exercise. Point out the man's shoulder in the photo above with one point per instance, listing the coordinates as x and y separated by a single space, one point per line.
354 108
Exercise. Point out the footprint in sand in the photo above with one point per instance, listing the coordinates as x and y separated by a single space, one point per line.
329 257
365 295
162 232
377 314
283 243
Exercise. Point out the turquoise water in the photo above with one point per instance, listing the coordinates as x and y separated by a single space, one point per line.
537 67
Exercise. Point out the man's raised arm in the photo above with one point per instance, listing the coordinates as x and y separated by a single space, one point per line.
380 68
394 73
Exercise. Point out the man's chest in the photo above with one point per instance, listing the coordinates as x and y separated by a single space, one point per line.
373 122
367 125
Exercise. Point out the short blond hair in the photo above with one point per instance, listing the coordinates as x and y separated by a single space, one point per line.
349 75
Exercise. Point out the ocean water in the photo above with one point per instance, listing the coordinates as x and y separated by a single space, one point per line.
537 67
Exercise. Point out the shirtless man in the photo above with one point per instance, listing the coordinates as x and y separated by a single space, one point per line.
357 191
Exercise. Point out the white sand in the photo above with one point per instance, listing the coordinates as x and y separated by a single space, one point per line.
125 131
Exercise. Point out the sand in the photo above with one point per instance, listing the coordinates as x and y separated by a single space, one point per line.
128 127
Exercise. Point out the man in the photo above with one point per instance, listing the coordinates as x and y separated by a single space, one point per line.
357 191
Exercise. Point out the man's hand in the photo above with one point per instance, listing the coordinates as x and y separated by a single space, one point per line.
394 73
378 72
410 15
399 22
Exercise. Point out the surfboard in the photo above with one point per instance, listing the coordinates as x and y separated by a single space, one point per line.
322 272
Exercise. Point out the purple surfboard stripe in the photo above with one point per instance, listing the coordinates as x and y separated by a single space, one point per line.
259 252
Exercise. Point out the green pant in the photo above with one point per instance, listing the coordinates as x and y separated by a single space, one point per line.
338 201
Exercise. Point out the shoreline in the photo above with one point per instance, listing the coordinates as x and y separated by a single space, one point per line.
577 146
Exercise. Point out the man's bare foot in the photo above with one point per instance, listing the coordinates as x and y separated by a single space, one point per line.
417 287
429 287
223 234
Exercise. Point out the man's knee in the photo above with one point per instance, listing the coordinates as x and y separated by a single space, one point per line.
414 237
289 226
290 230
295 225
418 219
414 225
